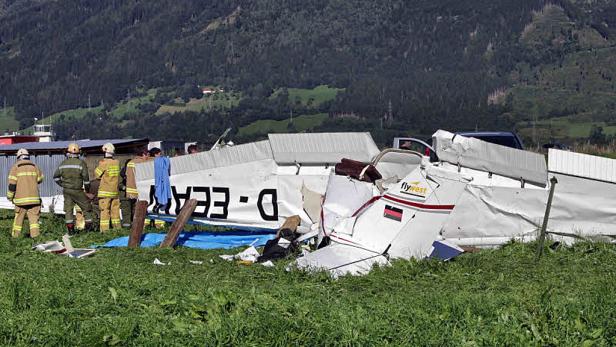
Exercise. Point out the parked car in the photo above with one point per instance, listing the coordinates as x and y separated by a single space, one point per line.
503 138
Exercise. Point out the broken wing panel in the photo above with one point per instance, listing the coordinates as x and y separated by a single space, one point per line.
341 259
487 216
584 207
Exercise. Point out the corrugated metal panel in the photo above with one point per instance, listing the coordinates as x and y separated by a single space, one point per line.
226 156
489 157
319 148
582 165
47 164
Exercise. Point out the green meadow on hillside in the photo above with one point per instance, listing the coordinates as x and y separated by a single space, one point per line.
310 97
299 124
223 100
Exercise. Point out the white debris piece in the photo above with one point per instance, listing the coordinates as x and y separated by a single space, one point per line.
250 254
50 247
227 257
158 262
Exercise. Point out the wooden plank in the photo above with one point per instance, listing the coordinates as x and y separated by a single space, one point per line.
136 230
178 225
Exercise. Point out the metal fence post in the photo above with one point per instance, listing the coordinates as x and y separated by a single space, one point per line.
544 227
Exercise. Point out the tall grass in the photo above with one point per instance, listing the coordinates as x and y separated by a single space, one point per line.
605 150
118 297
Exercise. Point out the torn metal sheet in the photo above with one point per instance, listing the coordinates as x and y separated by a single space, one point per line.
341 259
488 157
344 197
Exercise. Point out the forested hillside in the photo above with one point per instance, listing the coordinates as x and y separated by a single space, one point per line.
400 66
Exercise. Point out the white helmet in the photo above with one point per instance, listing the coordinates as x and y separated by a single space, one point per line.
22 152
109 148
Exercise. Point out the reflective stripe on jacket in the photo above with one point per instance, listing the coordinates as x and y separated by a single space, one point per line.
24 178
108 171
131 180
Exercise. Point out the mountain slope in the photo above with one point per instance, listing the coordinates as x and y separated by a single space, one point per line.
417 65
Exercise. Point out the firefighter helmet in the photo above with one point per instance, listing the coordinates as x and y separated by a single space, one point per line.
22 152
109 148
73 148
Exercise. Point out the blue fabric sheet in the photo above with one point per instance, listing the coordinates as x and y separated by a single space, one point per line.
200 240
162 167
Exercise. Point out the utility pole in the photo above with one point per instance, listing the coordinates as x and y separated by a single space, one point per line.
89 103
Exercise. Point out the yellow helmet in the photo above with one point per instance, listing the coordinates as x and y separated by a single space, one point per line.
73 148
109 148
22 152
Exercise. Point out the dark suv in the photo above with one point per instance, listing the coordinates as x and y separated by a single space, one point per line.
503 138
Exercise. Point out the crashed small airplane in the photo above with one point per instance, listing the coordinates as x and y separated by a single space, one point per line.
470 193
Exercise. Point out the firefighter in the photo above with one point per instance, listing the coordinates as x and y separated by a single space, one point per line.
24 178
108 172
128 188
72 175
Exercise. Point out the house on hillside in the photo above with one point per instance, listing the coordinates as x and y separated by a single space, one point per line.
211 90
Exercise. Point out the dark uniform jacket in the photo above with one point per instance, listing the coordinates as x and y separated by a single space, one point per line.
72 174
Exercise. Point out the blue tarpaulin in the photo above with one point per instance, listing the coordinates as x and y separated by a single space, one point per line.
201 240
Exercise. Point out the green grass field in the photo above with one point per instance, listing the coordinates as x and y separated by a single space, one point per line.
564 128
223 100
73 114
313 97
118 297
300 123
7 120
130 106
119 110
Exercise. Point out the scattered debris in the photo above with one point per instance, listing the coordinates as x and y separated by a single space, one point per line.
50 247
249 254
268 263
445 250
64 248
158 262
227 257
196 262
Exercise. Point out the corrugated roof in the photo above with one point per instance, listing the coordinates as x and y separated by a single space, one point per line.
318 148
489 157
582 165
62 145
225 156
